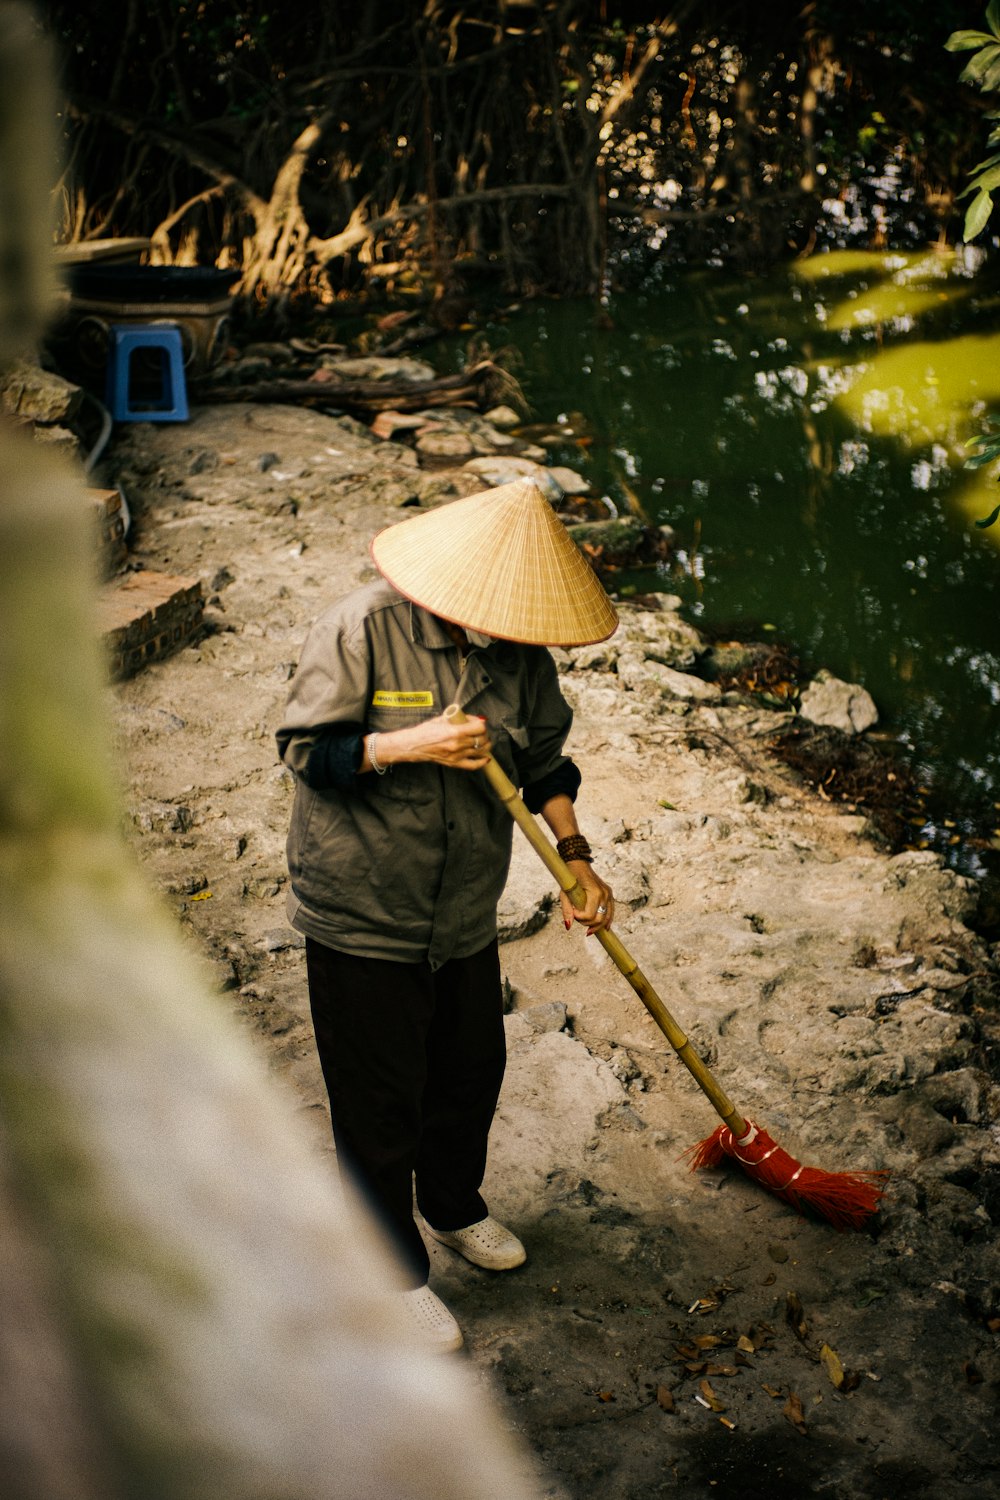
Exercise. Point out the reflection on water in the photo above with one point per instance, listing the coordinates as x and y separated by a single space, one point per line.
804 435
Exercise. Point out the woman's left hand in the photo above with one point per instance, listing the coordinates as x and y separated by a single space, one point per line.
600 907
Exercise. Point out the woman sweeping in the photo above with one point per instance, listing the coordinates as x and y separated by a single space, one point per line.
398 856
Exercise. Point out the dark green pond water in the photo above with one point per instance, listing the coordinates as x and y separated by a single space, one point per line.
804 436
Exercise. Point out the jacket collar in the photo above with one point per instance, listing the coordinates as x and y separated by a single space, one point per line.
428 630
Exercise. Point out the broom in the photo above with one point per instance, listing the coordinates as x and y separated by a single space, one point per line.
846 1199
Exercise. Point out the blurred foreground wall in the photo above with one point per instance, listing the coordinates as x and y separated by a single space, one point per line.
184 1311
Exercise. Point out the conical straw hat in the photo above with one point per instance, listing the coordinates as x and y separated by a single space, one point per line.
500 562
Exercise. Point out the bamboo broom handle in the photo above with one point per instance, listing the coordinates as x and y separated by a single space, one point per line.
610 942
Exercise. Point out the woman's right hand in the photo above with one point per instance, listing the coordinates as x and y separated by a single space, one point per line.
463 747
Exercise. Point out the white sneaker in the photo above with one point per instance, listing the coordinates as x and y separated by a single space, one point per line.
432 1320
487 1244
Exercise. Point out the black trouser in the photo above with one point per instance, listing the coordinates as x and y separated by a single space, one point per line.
413 1061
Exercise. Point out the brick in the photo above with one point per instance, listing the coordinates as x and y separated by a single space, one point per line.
111 549
143 617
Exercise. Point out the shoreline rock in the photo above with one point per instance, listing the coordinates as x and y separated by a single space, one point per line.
838 705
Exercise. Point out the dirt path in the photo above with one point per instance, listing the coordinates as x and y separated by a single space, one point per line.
671 1333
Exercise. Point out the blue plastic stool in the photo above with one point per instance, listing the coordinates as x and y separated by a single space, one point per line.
156 394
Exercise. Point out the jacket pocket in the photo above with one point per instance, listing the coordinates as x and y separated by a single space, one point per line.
402 782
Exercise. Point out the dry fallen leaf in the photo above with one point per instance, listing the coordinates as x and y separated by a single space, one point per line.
606 1396
665 1398
747 1345
721 1370
830 1361
711 1398
771 1390
709 1341
792 1412
795 1316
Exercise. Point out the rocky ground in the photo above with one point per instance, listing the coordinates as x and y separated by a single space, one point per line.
671 1333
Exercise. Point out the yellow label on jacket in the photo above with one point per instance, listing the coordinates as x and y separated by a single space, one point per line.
385 698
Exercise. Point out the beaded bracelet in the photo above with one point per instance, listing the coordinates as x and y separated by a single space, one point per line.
574 846
373 759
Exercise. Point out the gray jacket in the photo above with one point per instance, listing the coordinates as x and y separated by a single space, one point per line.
410 865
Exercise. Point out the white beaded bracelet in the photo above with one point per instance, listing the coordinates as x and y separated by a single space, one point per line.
373 759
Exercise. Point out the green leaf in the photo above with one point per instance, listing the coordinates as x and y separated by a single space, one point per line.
975 69
988 520
977 216
979 460
962 41
993 16
987 181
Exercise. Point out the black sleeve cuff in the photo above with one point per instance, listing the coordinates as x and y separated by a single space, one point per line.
565 780
334 760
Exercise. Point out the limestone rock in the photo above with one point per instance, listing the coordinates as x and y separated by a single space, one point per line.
841 705
662 636
502 416
35 395
443 485
569 481
599 702
398 491
162 817
280 939
599 658
486 439
640 673
626 873
444 447
528 895
548 1016
503 470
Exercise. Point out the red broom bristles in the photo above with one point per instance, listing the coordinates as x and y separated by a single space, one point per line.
846 1199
